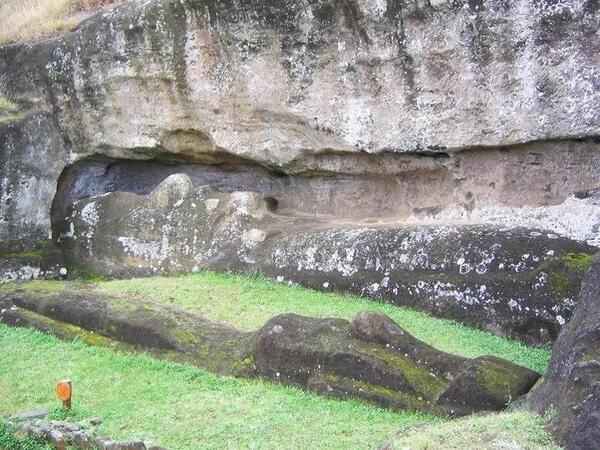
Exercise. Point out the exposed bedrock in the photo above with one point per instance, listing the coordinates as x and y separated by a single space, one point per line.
325 86
519 282
31 161
371 358
570 391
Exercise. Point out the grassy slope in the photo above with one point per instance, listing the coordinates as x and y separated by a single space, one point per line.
507 431
185 408
182 407
31 19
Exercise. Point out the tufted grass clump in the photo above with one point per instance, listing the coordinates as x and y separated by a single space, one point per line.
26 20
10 440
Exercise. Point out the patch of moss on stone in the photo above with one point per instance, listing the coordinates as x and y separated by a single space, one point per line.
566 272
37 286
245 366
579 262
9 118
494 381
67 331
9 111
378 394
560 283
39 249
421 379
6 105
185 337
224 358
501 381
25 255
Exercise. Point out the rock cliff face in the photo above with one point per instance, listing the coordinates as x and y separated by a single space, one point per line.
351 118
329 86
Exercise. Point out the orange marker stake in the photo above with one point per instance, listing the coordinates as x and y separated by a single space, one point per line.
64 392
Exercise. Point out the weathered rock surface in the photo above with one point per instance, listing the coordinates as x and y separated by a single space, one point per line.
21 263
570 388
516 282
336 358
354 88
32 158
356 145
371 359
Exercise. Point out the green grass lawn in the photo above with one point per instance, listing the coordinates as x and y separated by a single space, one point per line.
503 431
181 407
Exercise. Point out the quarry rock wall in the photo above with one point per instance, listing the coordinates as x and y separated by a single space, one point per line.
400 99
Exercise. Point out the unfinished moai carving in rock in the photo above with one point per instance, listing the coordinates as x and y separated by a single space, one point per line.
384 365
515 282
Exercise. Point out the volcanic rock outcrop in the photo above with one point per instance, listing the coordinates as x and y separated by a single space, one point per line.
371 358
417 94
570 391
